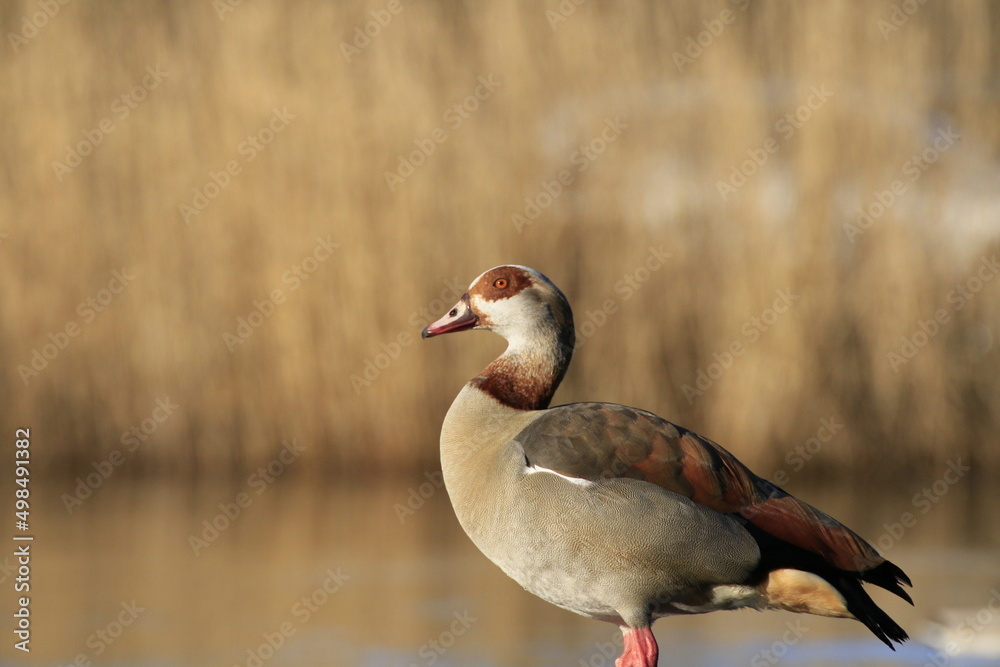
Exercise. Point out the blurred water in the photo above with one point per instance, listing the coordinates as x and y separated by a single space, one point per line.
329 573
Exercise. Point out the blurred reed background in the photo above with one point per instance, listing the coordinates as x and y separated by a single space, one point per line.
872 86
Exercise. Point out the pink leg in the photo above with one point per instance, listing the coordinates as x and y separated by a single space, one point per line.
640 648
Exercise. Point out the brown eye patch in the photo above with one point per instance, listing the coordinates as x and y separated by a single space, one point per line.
502 282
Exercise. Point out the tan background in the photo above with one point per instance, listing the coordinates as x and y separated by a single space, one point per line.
148 418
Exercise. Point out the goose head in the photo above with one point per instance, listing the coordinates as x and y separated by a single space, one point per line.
511 301
532 314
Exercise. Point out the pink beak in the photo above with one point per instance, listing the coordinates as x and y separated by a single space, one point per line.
459 318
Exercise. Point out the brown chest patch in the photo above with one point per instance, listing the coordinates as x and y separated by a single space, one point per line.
513 387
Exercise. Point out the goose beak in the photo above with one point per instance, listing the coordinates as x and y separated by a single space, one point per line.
459 318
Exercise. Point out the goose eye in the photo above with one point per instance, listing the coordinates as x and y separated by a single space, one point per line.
500 283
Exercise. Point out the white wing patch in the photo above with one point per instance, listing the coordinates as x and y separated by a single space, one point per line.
530 470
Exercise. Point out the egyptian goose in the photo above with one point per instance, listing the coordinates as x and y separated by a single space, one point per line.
616 514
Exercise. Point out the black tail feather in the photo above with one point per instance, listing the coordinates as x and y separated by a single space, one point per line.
865 610
889 576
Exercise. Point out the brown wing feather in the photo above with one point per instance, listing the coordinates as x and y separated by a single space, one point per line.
600 440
